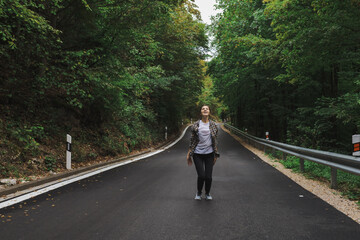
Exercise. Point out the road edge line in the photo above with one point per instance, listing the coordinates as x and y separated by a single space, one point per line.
41 189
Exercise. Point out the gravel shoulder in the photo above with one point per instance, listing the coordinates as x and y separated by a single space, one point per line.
331 196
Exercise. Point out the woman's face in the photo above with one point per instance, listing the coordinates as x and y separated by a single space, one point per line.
205 111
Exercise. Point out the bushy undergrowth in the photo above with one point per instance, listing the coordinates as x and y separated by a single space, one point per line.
112 76
32 147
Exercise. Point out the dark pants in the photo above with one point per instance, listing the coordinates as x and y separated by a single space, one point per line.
204 166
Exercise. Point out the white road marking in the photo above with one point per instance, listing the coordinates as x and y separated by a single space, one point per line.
38 192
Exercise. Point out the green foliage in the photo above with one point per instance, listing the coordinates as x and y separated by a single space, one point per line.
111 146
9 170
291 68
28 137
349 184
208 97
93 155
50 162
291 162
111 70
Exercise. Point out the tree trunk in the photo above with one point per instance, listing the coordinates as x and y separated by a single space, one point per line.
334 81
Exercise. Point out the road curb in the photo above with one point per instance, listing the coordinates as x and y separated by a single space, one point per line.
24 186
75 172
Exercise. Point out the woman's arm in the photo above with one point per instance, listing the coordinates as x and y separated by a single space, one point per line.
192 141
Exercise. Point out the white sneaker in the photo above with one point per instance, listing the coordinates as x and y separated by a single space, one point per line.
208 197
198 197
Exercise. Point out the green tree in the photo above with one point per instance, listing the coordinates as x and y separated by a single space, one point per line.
110 72
290 67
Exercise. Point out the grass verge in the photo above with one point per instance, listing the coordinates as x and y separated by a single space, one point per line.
348 184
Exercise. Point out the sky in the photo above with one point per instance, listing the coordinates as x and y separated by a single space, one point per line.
207 9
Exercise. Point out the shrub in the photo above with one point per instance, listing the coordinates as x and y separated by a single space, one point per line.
50 162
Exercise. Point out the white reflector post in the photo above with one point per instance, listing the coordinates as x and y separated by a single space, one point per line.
165 133
68 151
356 144
267 135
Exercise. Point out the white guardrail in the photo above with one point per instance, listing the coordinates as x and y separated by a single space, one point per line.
334 160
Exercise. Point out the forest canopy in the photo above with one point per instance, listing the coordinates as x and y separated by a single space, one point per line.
112 73
290 67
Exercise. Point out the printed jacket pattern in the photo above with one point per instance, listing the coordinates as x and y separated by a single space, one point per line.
195 137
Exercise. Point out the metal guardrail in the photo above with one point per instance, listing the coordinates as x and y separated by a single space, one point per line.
334 160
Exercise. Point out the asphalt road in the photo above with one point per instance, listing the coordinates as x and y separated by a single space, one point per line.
154 199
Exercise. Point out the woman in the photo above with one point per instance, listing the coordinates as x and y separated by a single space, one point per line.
203 150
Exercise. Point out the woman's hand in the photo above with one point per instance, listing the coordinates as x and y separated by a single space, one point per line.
188 158
215 158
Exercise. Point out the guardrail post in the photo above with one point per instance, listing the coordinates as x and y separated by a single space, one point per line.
165 133
334 160
267 138
334 184
302 169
